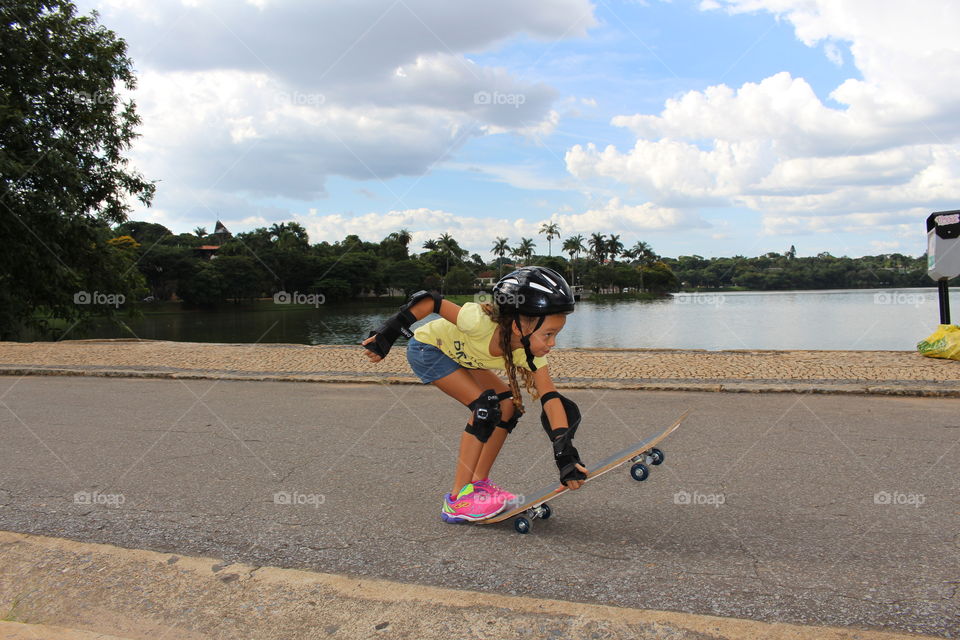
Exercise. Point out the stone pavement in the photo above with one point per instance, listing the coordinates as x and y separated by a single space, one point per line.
871 372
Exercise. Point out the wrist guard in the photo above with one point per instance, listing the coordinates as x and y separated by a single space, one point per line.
564 453
387 333
399 324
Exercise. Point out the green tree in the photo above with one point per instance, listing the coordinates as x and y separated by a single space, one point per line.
403 237
614 247
64 179
407 275
598 247
242 276
146 233
202 287
500 249
551 230
525 249
573 246
460 280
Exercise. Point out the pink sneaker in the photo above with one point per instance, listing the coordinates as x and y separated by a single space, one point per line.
488 486
470 505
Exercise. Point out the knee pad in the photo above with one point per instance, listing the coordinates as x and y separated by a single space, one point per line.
510 424
486 415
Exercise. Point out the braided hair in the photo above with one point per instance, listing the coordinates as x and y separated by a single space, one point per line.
505 323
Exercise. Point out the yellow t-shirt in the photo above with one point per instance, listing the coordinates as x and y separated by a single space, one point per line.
468 341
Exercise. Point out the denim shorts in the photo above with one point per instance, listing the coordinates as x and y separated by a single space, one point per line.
428 362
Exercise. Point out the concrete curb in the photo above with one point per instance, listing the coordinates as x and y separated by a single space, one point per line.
348 607
908 388
24 631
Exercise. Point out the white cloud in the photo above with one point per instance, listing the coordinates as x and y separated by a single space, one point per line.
270 97
889 148
833 53
477 234
617 217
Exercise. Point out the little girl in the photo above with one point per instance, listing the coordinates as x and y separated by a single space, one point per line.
456 353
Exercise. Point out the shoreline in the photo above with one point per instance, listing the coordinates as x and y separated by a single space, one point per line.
790 371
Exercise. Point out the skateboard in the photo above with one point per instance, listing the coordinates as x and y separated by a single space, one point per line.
641 454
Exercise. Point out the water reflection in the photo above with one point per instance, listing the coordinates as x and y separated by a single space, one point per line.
845 319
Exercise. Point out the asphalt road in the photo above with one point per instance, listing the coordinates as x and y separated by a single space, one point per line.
810 509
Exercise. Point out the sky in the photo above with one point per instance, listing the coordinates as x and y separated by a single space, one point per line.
712 127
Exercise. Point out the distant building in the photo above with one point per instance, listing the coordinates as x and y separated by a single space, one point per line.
485 279
206 252
221 233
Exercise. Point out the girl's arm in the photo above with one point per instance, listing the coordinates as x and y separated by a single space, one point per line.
449 311
419 311
552 407
557 416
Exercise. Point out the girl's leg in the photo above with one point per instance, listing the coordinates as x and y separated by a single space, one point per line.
487 379
461 386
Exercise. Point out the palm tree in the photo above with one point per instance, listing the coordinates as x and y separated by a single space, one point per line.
598 247
500 249
431 245
573 246
448 248
552 230
614 246
404 236
644 254
201 232
526 248
277 230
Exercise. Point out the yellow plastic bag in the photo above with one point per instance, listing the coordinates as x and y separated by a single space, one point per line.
942 343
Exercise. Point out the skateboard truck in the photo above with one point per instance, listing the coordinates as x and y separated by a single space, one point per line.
523 524
639 470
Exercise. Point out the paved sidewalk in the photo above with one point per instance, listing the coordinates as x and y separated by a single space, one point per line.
97 589
859 372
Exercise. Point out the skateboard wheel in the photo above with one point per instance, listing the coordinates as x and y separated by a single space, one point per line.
639 472
521 525
545 511
656 456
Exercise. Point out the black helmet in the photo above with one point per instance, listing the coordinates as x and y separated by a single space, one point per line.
533 291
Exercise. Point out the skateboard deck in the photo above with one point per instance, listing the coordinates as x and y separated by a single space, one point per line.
535 505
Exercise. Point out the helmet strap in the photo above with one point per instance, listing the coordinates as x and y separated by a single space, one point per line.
525 340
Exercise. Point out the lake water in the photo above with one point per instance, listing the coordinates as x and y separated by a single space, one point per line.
844 319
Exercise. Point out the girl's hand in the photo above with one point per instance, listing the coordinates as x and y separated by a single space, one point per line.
371 356
573 485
